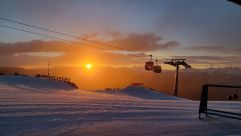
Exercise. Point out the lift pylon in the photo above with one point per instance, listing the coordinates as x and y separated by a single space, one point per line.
176 63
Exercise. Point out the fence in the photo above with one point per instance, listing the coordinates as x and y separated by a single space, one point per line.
56 78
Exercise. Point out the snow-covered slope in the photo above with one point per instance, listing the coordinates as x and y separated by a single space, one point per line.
34 83
144 93
141 93
80 112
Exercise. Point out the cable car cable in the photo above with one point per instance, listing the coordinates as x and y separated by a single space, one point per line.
72 36
54 37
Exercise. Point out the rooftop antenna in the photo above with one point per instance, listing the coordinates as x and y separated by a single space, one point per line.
48 66
176 63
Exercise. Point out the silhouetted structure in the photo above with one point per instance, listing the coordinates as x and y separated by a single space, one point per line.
176 63
203 107
149 65
157 68
137 84
64 79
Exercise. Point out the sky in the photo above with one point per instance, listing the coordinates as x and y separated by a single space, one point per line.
206 33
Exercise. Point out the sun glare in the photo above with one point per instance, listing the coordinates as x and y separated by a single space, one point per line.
88 66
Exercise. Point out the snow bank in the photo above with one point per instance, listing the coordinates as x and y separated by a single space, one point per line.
141 93
144 93
34 83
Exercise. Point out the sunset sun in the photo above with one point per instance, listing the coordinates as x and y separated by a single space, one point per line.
88 66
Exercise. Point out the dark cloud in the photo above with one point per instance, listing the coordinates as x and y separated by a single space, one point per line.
29 53
90 35
211 49
114 34
139 42
143 42
227 60
21 53
31 46
45 46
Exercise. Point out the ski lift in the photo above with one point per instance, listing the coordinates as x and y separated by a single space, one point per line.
149 64
157 68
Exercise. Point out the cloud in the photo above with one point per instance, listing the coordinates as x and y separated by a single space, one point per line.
215 48
40 54
114 34
90 35
44 46
143 42
35 53
139 42
227 60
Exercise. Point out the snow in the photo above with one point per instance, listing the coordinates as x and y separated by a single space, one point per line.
133 111
33 83
144 93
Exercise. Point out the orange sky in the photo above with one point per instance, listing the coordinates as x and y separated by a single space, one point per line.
36 54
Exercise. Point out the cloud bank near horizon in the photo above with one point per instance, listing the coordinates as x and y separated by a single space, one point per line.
36 52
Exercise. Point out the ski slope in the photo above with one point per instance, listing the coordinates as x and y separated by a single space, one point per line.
34 83
30 106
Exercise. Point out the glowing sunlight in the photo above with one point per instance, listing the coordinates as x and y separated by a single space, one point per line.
88 66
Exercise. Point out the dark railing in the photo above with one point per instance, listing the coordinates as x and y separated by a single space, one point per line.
203 108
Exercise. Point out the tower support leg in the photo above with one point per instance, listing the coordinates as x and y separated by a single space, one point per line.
176 81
